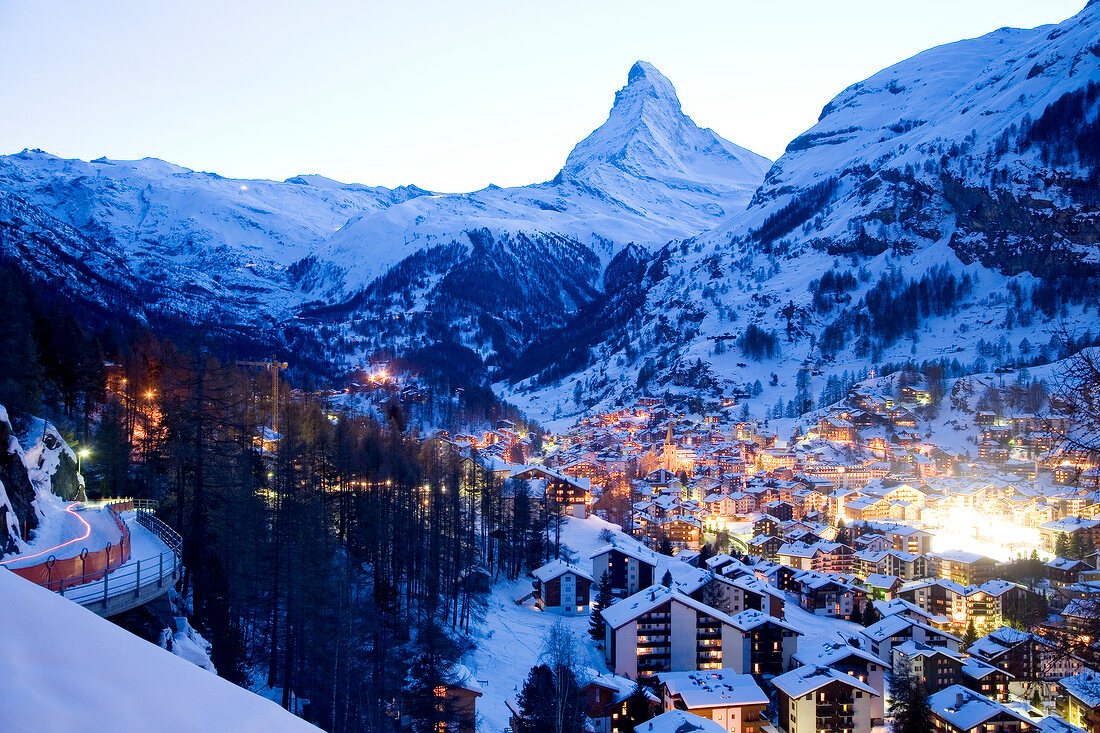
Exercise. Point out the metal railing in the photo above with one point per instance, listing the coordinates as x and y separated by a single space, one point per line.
137 581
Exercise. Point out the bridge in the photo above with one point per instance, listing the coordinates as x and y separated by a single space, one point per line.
142 566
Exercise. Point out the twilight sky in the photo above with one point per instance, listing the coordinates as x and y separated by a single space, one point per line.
448 95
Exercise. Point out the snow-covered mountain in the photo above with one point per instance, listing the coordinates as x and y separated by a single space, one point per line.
647 175
172 239
360 268
945 209
948 208
494 269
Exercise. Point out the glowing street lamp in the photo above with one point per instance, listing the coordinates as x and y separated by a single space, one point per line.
80 456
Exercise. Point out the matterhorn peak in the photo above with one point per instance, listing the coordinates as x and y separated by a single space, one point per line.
645 84
647 136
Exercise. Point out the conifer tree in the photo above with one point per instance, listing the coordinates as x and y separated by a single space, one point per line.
970 636
638 708
604 599
536 700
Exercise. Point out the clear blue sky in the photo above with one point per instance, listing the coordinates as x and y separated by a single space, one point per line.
447 95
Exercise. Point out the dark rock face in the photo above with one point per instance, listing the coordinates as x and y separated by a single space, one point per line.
13 475
65 481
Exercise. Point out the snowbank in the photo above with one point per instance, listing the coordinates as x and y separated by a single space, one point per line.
67 669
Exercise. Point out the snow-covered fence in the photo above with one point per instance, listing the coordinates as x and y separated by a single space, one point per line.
59 574
128 582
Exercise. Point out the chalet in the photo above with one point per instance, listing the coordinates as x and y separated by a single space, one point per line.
766 525
943 598
1087 530
717 563
605 697
781 577
965 568
679 721
1082 617
837 428
733 701
765 646
680 531
853 661
781 510
1024 656
892 631
660 629
734 595
631 567
765 546
818 698
562 587
572 494
826 595
882 587
956 709
459 694
939 668
1083 700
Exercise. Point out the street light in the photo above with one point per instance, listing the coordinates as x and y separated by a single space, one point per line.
80 455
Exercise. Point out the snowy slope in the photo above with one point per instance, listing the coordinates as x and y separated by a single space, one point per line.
936 147
932 163
68 669
178 239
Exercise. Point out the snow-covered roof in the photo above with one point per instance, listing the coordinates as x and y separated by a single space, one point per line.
633 550
966 709
750 619
961 556
1085 686
901 606
806 679
831 653
644 601
460 675
557 568
995 587
713 688
975 668
1066 563
1058 724
621 686
1069 524
998 641
893 625
878 580
679 721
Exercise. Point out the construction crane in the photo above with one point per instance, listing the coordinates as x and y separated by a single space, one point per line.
272 366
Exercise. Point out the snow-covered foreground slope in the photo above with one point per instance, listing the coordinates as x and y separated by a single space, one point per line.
972 167
68 669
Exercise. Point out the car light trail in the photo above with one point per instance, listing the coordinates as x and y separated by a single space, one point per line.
87 531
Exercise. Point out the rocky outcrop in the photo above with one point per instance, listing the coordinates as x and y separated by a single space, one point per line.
16 485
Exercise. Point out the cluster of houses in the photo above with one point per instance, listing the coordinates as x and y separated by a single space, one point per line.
837 523
715 645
